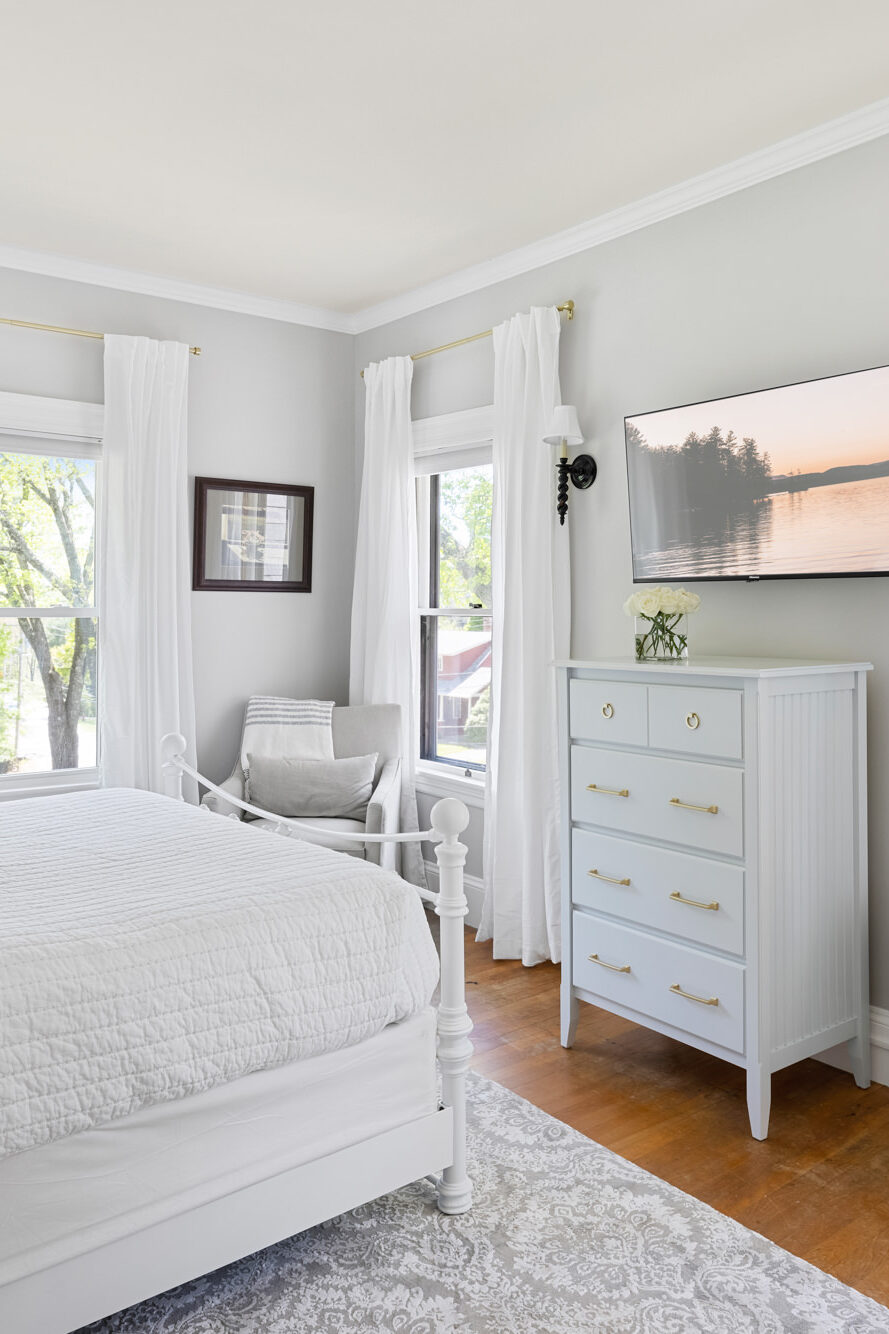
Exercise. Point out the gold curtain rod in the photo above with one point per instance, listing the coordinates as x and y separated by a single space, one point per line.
78 333
566 308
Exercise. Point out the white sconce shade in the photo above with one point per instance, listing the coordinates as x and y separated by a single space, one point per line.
564 430
564 426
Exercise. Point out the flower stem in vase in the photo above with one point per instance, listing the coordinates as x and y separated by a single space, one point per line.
661 631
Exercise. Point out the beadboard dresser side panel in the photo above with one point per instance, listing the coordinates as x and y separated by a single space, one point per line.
808 895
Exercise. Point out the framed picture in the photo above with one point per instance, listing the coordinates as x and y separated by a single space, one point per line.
253 536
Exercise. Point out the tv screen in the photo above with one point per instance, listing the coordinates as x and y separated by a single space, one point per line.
780 484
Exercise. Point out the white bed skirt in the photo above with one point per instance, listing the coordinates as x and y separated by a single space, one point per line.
68 1197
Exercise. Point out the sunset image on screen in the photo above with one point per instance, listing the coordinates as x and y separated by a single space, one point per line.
780 482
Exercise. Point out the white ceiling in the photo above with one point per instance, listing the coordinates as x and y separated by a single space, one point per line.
341 153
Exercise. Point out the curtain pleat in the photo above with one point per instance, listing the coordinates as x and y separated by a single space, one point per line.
145 663
530 602
384 666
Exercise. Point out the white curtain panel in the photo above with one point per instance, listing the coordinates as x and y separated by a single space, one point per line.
530 600
145 665
385 666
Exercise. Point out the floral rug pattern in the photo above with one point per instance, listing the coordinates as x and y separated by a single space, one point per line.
565 1238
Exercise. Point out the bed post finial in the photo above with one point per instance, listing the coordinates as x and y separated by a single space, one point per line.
449 818
172 748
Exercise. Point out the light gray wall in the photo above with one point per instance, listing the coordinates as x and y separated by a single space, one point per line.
268 402
786 281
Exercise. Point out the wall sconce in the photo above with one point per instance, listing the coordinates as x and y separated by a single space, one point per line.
565 430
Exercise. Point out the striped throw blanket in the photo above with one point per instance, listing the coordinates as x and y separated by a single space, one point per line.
292 729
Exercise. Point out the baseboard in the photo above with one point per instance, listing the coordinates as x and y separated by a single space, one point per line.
879 1048
473 888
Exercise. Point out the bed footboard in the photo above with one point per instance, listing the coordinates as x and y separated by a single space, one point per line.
449 818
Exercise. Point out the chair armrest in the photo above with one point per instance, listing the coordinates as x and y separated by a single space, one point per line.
218 805
384 815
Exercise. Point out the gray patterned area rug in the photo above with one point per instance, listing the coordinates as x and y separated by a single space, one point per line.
565 1238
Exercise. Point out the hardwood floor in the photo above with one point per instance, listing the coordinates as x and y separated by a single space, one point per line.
819 1186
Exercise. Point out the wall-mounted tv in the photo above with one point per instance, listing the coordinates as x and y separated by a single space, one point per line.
784 483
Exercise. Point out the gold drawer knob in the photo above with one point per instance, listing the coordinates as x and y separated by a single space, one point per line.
608 791
694 903
693 721
610 879
614 967
607 710
687 806
701 1000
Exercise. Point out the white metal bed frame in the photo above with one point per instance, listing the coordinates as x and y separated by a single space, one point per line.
121 1273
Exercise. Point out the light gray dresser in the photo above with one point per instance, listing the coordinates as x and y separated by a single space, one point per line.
714 851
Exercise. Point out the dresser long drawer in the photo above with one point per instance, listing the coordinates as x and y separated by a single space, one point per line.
682 801
649 975
693 897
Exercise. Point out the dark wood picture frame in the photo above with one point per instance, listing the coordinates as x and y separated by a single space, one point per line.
200 580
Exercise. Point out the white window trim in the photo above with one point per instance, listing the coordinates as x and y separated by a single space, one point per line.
437 779
58 420
51 783
452 440
61 427
453 431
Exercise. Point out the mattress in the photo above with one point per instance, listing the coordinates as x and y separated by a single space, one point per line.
151 950
65 1198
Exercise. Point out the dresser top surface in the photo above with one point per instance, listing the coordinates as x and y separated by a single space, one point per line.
707 666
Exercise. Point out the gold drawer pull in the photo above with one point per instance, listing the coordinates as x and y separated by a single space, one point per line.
610 879
693 721
702 1000
607 710
694 903
608 791
615 967
687 806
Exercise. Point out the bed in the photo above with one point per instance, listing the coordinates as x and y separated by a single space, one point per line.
210 1039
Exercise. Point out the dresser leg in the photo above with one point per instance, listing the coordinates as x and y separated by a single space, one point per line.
759 1100
859 1057
570 1007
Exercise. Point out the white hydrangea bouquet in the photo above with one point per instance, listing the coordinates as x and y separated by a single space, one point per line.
661 622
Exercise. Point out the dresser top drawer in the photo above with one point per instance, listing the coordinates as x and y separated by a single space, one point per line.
697 720
704 721
609 711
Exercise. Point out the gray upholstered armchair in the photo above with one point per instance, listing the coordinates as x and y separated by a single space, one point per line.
360 729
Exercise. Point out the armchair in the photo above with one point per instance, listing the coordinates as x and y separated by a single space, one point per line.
359 729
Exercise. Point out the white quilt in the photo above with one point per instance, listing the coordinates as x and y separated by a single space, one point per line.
149 950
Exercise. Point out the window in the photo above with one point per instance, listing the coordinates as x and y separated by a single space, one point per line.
48 625
454 515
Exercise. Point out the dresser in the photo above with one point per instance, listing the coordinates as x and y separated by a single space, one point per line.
714 855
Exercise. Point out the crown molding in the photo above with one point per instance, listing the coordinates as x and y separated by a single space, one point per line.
173 289
834 136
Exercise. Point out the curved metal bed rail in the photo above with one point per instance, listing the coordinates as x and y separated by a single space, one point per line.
176 761
449 818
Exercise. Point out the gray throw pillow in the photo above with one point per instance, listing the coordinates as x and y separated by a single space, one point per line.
303 788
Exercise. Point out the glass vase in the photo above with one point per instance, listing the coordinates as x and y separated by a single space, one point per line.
662 638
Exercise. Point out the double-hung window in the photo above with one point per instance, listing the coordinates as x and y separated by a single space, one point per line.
454 543
48 618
